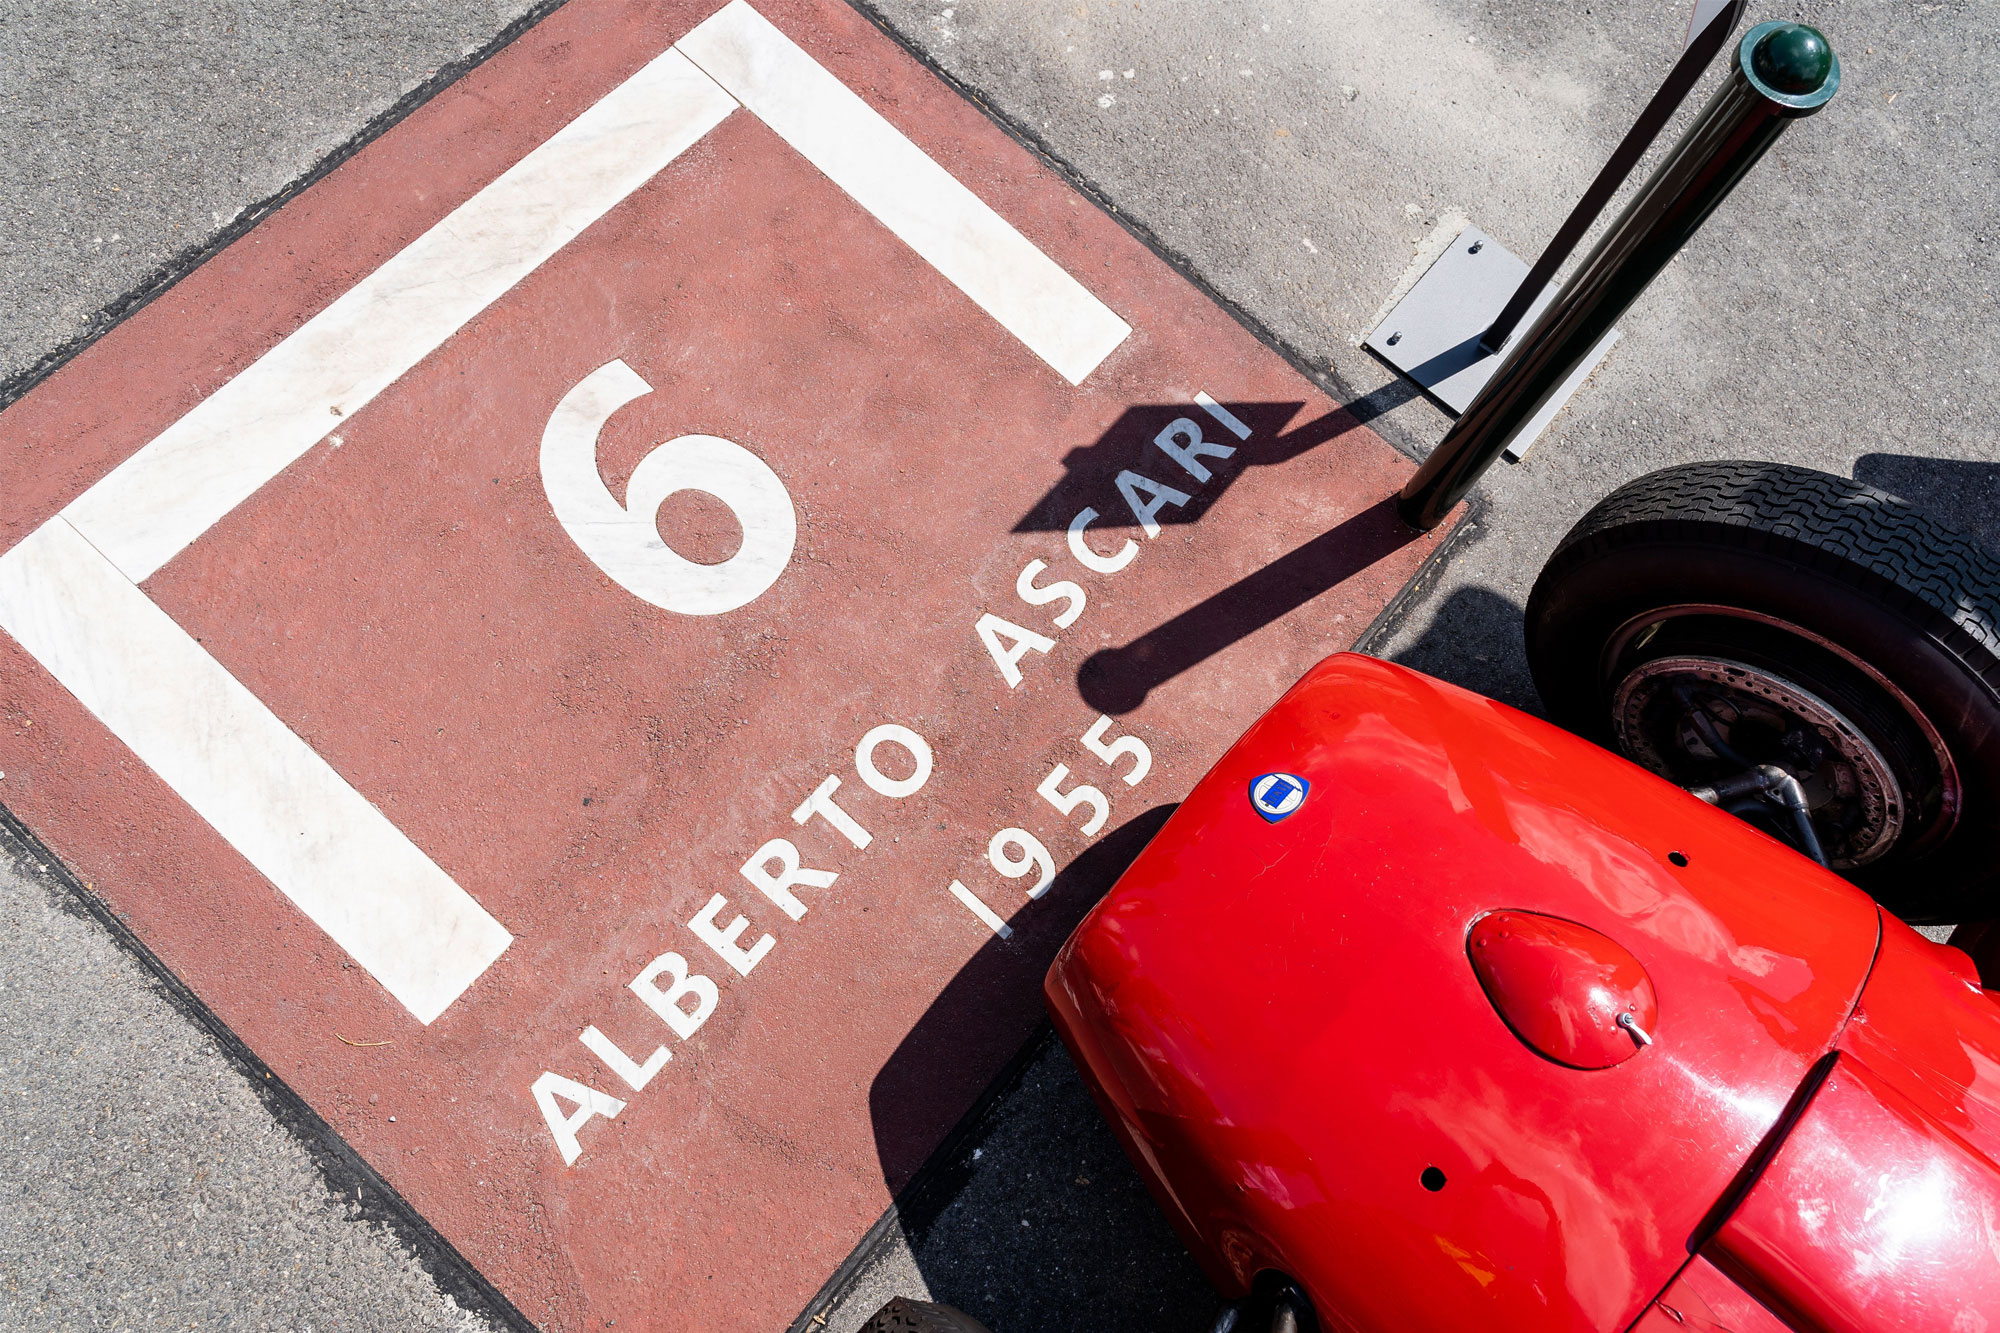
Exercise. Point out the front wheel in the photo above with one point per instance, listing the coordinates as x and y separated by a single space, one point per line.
1720 620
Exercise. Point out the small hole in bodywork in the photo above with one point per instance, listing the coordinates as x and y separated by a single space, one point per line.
1678 858
1432 1179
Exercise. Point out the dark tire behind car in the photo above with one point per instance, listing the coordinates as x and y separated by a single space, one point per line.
906 1316
1710 618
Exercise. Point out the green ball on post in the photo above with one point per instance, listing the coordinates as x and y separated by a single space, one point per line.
1791 63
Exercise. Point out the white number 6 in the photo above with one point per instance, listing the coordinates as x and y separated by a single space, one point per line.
624 540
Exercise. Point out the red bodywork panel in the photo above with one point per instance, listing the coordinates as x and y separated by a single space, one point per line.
1881 1209
1283 1025
1871 1216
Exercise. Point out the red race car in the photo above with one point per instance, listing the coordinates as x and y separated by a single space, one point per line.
1424 1014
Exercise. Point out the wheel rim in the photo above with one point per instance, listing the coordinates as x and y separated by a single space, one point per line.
1691 717
1926 779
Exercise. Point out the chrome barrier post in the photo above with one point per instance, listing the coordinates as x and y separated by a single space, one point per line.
1782 72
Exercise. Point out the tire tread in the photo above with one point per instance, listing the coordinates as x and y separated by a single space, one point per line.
1853 564
1905 559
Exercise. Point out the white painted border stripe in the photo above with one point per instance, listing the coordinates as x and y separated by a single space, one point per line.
922 203
228 756
149 508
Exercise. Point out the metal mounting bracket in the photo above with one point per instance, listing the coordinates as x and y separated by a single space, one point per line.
1432 334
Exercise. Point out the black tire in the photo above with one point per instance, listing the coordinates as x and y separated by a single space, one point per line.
1728 576
907 1316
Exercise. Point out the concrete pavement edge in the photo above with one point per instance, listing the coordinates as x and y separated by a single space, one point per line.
1365 408
341 1169
135 298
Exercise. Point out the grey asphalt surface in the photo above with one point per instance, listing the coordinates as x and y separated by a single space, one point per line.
1293 154
139 132
144 1183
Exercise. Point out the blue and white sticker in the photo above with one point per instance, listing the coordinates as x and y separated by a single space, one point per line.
1276 795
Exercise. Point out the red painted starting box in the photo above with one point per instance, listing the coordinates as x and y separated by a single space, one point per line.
611 637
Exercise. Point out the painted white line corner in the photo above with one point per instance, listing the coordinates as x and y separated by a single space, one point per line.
1032 296
151 506
223 752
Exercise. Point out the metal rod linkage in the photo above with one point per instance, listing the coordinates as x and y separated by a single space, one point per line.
1767 780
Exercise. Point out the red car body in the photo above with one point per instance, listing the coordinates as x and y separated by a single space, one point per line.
1284 1024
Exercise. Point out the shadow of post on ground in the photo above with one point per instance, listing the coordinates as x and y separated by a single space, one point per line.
1117 679
1128 443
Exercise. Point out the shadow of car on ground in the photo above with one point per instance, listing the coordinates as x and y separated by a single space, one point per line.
1029 1217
